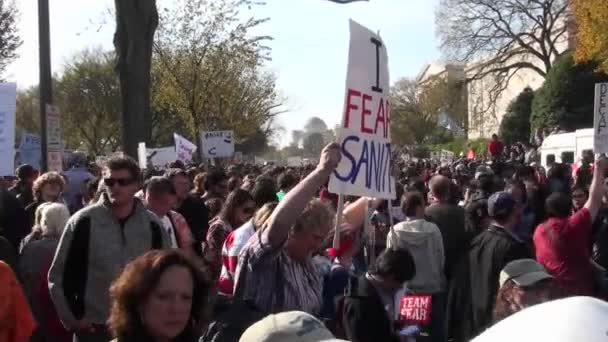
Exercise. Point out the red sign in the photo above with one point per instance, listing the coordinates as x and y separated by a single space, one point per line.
415 309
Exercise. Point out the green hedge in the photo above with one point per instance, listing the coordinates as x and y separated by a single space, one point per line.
479 146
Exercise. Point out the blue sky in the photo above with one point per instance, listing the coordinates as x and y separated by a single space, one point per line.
309 50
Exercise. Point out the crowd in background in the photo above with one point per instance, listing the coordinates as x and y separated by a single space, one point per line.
244 252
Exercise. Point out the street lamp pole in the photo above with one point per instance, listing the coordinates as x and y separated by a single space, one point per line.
45 87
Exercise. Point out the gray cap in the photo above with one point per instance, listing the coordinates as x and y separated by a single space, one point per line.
501 204
524 273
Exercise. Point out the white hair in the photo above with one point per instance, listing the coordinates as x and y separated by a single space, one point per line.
51 218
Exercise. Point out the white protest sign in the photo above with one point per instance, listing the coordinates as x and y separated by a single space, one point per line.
142 156
600 119
8 100
184 148
54 144
364 136
161 157
30 150
217 144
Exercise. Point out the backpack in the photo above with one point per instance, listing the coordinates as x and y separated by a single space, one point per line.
77 262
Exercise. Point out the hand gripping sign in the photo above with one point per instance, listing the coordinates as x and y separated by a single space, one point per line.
364 136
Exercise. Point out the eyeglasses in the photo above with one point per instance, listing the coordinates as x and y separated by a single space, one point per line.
109 182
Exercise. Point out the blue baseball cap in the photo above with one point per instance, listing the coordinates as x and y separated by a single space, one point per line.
501 204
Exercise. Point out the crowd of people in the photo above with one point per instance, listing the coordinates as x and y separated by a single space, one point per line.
245 253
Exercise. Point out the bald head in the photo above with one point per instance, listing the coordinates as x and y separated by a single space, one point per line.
440 188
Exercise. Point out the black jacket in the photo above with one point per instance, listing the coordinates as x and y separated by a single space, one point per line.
472 293
13 222
195 212
364 317
450 219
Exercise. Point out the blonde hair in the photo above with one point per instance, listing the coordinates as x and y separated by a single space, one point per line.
317 214
262 215
51 218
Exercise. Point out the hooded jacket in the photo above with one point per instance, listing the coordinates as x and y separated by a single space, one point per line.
423 240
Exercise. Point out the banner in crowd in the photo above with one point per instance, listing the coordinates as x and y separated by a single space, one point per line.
600 118
183 148
364 136
8 107
142 155
53 139
30 149
161 157
217 144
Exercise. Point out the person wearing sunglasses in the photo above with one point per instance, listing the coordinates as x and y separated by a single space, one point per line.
238 209
97 242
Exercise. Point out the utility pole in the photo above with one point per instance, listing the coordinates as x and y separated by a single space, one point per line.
46 87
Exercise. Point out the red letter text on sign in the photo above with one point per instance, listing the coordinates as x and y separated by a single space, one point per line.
350 105
380 118
365 112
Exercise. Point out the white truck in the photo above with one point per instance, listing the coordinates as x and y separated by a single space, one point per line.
566 147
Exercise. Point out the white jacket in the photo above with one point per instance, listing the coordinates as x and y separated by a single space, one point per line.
423 240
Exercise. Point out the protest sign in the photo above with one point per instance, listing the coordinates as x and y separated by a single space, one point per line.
8 98
30 150
184 148
600 118
142 155
217 144
161 157
364 135
415 309
54 143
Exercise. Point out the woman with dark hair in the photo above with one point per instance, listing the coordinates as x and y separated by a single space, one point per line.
525 228
523 283
238 209
159 297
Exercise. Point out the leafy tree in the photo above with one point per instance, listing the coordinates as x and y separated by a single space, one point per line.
28 112
592 31
515 125
211 68
516 35
136 23
88 95
313 144
415 110
566 98
9 38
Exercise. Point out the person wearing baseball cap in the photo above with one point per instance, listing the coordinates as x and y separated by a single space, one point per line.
292 326
523 283
473 291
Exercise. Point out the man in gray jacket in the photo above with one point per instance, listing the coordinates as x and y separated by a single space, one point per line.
96 244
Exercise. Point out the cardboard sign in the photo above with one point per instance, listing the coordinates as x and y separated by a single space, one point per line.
600 119
415 309
218 144
8 107
364 135
30 150
184 148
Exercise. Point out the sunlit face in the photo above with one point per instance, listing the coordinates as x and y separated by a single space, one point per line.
120 186
166 312
50 192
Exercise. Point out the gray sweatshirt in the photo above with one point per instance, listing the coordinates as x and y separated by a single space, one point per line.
111 245
423 240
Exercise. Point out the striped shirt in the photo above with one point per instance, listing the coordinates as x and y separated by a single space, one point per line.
264 270
233 245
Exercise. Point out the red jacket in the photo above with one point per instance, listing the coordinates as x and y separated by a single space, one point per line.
495 147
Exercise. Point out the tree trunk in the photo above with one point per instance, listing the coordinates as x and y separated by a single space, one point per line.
136 22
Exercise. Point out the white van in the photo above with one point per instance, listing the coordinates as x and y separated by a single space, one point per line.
566 147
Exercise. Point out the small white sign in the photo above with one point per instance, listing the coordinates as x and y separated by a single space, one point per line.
600 118
217 144
184 148
142 155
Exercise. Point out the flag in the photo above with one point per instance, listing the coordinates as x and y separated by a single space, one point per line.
183 148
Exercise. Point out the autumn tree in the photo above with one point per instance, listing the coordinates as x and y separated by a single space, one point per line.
415 110
212 68
9 38
592 31
88 95
27 115
136 23
499 38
